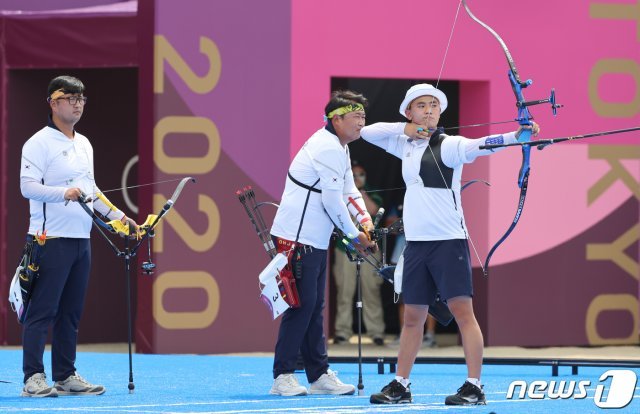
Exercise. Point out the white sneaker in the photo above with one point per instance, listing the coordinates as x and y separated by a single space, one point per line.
287 385
329 383
76 385
36 386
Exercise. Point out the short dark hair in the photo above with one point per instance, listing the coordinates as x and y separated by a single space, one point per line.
68 84
344 98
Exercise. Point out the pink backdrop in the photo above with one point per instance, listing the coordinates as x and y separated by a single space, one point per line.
588 51
262 77
390 45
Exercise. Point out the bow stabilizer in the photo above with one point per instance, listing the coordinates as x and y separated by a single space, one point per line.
543 143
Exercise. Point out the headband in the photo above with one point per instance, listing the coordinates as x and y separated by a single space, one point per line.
56 94
345 110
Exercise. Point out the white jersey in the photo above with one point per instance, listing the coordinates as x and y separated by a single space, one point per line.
51 163
324 161
432 209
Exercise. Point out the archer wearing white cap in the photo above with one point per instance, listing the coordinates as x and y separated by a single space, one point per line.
437 263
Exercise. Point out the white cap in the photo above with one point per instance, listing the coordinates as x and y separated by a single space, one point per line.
423 89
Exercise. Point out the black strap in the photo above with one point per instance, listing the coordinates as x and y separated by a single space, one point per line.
433 171
315 190
304 209
306 187
44 211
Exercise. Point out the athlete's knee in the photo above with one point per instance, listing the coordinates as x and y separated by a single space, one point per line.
462 310
415 315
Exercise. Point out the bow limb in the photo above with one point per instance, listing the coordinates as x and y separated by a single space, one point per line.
83 200
99 223
524 119
147 228
168 205
524 116
512 64
471 182
116 226
113 226
516 218
144 231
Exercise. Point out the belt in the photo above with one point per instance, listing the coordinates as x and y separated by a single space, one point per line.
284 245
304 248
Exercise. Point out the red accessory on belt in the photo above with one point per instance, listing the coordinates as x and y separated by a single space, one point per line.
287 282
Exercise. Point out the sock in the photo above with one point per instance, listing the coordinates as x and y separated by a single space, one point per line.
475 381
403 381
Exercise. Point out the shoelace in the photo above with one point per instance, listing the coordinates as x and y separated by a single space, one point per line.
40 381
291 380
333 375
469 389
81 380
395 387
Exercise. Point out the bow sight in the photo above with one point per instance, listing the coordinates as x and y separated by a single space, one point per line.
551 100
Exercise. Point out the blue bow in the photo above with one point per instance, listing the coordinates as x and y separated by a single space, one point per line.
524 119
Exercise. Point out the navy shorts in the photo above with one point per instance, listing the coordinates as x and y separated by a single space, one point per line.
436 268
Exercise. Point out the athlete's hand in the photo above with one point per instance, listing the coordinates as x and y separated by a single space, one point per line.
416 131
535 129
133 227
364 245
367 225
72 194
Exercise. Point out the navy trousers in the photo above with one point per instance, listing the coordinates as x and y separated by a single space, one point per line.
302 329
58 300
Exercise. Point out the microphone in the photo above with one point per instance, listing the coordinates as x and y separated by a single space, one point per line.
378 217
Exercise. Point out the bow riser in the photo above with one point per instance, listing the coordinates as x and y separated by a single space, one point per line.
524 119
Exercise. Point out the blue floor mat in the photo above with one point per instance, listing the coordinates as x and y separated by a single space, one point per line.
233 384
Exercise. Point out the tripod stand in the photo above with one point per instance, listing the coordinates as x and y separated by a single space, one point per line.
358 260
359 307
127 253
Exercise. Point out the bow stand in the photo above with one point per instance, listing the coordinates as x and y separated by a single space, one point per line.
144 233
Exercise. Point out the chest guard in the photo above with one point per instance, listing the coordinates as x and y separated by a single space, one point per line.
430 167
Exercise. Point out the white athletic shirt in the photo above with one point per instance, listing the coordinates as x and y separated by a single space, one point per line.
62 163
321 157
431 213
